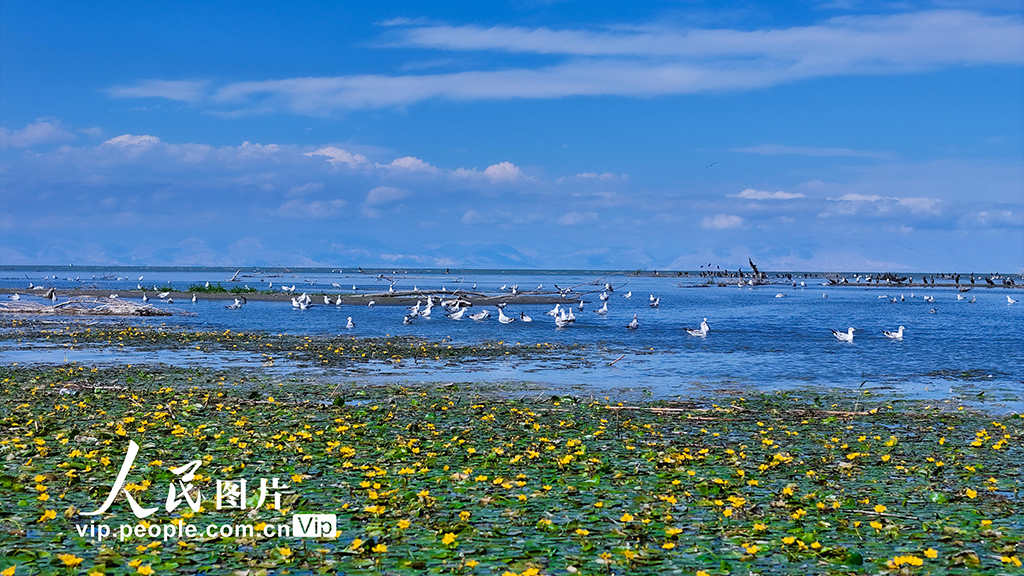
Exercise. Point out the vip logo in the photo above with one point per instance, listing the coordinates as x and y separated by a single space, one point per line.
314 525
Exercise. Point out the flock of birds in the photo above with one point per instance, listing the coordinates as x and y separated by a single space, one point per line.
456 308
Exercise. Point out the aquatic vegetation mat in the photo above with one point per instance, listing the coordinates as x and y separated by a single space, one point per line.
445 480
314 350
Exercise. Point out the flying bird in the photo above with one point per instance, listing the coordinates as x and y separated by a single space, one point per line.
712 164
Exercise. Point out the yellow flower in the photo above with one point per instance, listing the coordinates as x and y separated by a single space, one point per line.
789 540
760 527
448 538
972 494
668 545
627 517
879 508
727 512
931 553
403 524
672 531
146 570
598 504
69 559
379 549
464 515
702 573
875 524
48 515
9 571
356 544
471 563
284 551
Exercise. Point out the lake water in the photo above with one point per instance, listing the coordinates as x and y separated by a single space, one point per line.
756 340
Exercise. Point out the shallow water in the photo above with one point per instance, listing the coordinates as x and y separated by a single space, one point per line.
756 339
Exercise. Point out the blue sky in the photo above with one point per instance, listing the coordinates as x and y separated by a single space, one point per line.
816 135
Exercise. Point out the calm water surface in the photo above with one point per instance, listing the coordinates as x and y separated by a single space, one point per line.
756 339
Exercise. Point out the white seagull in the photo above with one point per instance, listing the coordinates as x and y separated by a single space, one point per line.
524 318
480 316
458 314
562 320
628 295
144 297
371 303
194 299
350 324
1010 300
780 295
504 319
326 299
633 324
554 311
844 336
897 335
603 296
699 332
655 303
163 295
15 297
237 305
602 310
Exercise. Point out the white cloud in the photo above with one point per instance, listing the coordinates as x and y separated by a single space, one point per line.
125 140
603 176
721 222
311 210
857 198
474 217
338 156
639 61
385 195
775 149
500 172
305 189
181 90
41 131
410 164
503 172
751 194
920 205
915 205
574 218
